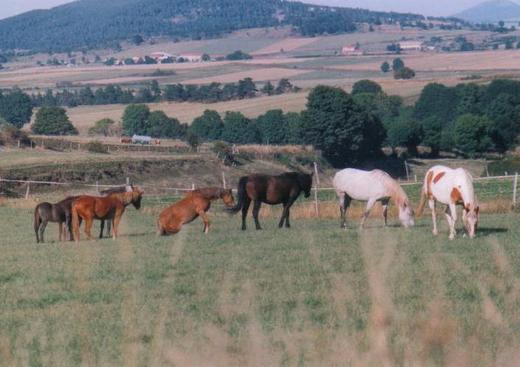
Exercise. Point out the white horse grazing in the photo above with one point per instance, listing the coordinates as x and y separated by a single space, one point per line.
451 187
371 186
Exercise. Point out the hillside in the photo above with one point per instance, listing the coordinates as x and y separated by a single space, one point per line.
491 11
99 23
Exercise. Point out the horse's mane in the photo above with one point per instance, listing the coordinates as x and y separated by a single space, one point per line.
209 192
398 194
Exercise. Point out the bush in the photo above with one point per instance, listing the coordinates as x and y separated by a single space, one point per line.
224 152
103 127
10 135
53 121
238 55
96 147
471 134
404 73
366 86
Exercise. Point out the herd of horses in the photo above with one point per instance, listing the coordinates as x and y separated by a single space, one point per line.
451 187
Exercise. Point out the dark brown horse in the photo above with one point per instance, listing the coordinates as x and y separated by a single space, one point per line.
196 203
57 213
110 207
283 189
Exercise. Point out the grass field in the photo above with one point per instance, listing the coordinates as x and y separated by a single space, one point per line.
312 295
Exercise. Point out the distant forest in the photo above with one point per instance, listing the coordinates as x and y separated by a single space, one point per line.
101 23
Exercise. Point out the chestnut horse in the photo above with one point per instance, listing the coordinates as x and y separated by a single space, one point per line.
282 189
110 207
451 187
58 213
196 203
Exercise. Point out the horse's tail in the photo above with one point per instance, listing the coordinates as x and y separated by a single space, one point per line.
422 203
37 222
75 222
241 194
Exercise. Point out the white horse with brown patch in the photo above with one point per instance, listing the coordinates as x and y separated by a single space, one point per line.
451 187
371 186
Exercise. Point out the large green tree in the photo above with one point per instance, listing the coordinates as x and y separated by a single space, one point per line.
343 130
135 119
53 121
272 127
207 127
471 134
239 129
159 125
15 107
366 86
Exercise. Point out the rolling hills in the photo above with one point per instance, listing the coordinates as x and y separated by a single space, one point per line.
491 11
99 23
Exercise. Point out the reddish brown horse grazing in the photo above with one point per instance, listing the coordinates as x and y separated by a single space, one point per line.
283 189
110 207
196 203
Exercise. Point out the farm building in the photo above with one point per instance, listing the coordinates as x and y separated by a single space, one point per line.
161 56
140 139
411 45
351 50
191 57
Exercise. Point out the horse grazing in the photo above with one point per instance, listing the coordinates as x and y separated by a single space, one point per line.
371 186
58 213
451 187
283 189
196 203
106 193
110 207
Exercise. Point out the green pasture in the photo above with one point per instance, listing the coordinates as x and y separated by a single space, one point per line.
311 295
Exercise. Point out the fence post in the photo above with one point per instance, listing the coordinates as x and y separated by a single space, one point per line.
192 186
128 181
28 191
407 170
97 186
223 180
514 190
316 186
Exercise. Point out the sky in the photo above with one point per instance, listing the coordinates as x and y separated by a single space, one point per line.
429 7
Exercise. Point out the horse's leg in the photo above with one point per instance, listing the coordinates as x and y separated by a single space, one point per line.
115 224
68 226
451 217
102 228
256 209
109 228
370 205
344 203
287 210
245 209
384 203
42 229
205 219
60 231
284 215
431 204
88 227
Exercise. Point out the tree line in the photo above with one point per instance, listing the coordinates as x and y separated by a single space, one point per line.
468 119
114 94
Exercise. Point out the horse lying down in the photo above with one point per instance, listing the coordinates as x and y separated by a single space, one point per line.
195 204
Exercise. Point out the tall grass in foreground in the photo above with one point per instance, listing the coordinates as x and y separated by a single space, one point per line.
312 295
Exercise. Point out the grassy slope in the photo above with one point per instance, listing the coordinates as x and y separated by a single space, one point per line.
306 296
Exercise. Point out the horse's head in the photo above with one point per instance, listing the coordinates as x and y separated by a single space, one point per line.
227 198
305 181
137 195
470 217
406 214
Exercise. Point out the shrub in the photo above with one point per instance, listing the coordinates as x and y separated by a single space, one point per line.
96 147
103 127
404 73
10 135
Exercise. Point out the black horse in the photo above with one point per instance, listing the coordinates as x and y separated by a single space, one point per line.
283 189
58 213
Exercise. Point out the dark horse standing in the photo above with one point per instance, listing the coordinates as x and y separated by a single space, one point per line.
283 189
58 213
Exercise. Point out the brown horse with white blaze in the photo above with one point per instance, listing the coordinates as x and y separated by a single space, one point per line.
110 207
282 189
196 203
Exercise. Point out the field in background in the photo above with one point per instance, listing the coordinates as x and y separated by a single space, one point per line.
311 295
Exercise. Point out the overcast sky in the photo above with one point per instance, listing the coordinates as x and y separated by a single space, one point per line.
429 7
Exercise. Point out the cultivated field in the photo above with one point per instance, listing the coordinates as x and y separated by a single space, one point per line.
312 295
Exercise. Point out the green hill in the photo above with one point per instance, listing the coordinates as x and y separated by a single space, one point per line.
101 23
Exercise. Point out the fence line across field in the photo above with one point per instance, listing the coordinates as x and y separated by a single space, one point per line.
316 189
